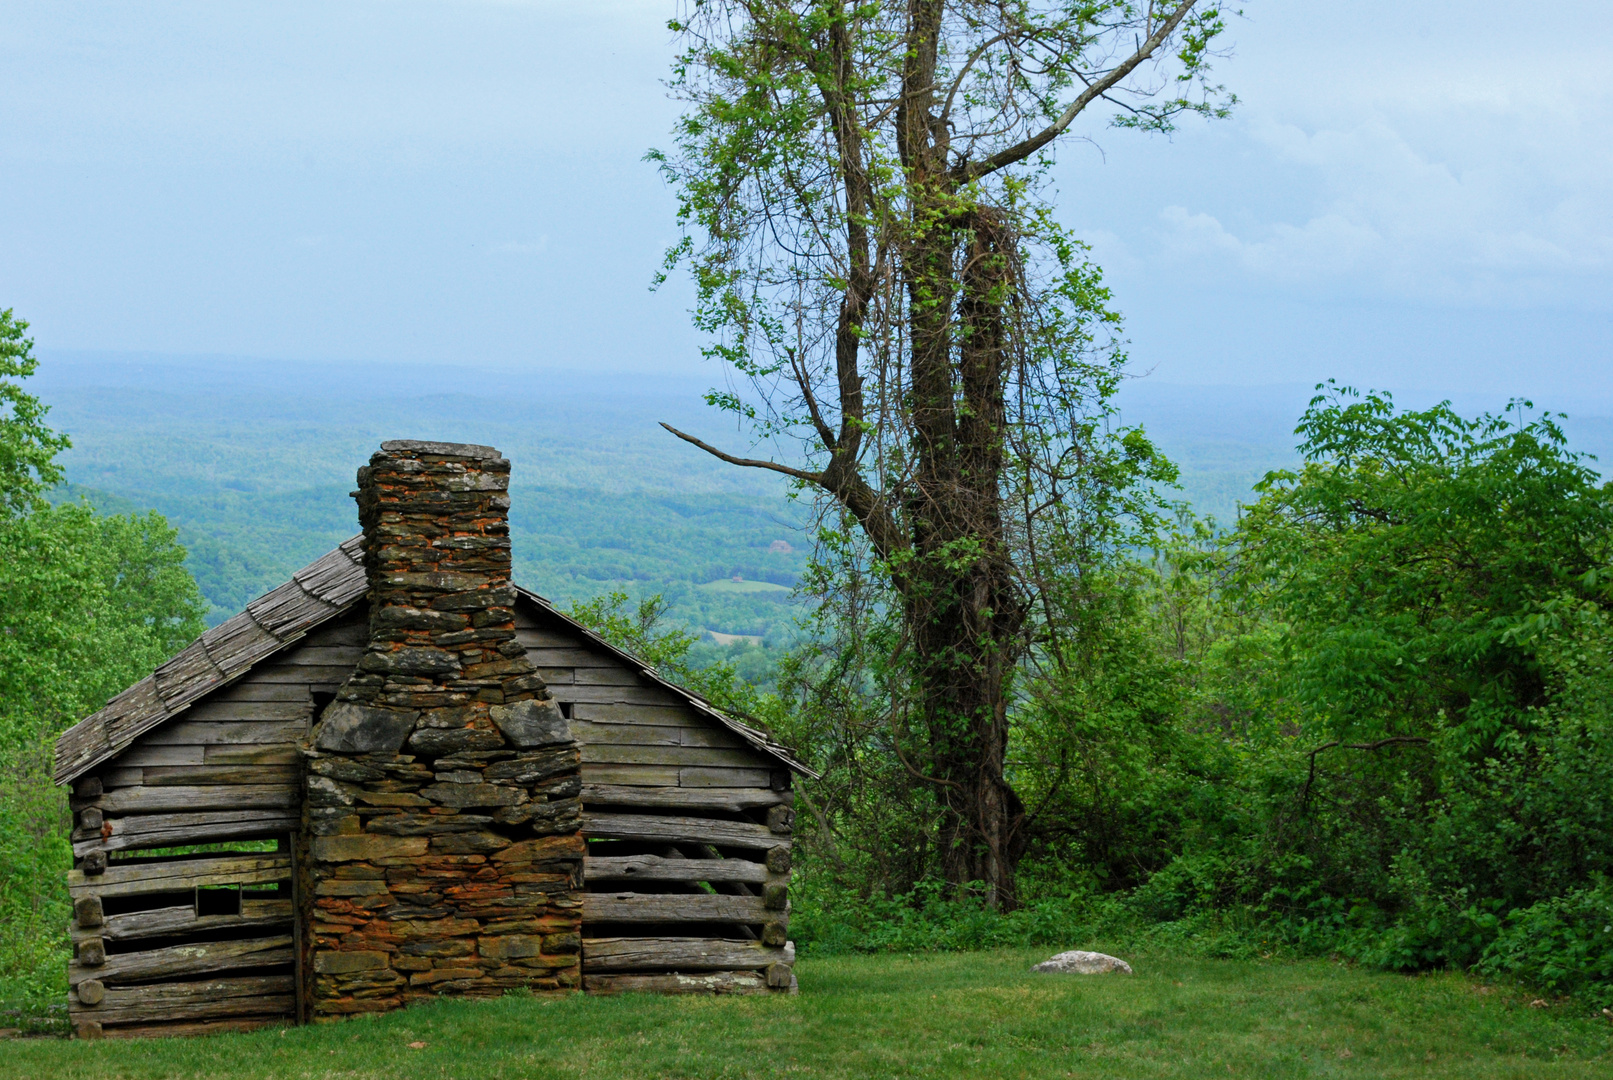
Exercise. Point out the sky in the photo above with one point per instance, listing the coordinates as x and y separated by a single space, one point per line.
1413 195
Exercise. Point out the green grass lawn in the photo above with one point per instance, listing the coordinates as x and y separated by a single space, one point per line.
968 1015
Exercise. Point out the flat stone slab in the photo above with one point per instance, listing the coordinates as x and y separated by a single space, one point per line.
1078 962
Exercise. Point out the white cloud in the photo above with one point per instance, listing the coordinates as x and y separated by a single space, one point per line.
1478 180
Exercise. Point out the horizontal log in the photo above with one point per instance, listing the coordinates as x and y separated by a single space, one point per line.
549 656
205 958
178 875
604 676
173 830
535 637
323 655
679 954
706 756
200 1027
699 776
672 798
350 629
141 754
250 689
715 982
136 800
263 995
253 754
315 677
673 907
657 827
652 715
226 732
586 732
557 676
655 868
258 916
631 775
244 712
617 695
212 775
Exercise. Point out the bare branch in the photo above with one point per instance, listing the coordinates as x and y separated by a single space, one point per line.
968 171
749 463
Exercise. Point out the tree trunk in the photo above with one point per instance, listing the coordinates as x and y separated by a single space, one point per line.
962 609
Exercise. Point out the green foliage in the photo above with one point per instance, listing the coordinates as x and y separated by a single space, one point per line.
27 447
1564 944
89 604
1413 559
643 631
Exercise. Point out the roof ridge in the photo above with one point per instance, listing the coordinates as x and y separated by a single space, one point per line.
315 594
318 592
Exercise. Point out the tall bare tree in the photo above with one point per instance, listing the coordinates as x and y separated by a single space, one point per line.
863 193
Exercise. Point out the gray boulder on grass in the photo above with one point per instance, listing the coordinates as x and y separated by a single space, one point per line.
1084 963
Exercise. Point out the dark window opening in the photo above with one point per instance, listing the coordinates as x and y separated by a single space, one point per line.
218 900
321 699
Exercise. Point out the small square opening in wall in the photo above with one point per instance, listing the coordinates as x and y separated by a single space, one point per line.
217 900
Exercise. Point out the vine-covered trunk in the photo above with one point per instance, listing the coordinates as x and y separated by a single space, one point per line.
963 611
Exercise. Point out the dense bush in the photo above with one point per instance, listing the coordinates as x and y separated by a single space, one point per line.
1375 720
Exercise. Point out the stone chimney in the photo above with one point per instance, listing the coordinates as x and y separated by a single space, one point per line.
441 850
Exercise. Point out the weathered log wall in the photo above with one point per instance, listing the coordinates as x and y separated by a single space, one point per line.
151 953
688 827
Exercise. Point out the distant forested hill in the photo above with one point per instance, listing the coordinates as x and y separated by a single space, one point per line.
253 461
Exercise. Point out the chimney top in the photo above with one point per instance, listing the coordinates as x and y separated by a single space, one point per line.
442 449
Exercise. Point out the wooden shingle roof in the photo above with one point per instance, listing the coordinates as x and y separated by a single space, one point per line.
319 592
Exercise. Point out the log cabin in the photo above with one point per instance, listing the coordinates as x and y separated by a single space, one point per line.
399 776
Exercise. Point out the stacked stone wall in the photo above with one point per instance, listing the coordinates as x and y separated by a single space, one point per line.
440 850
